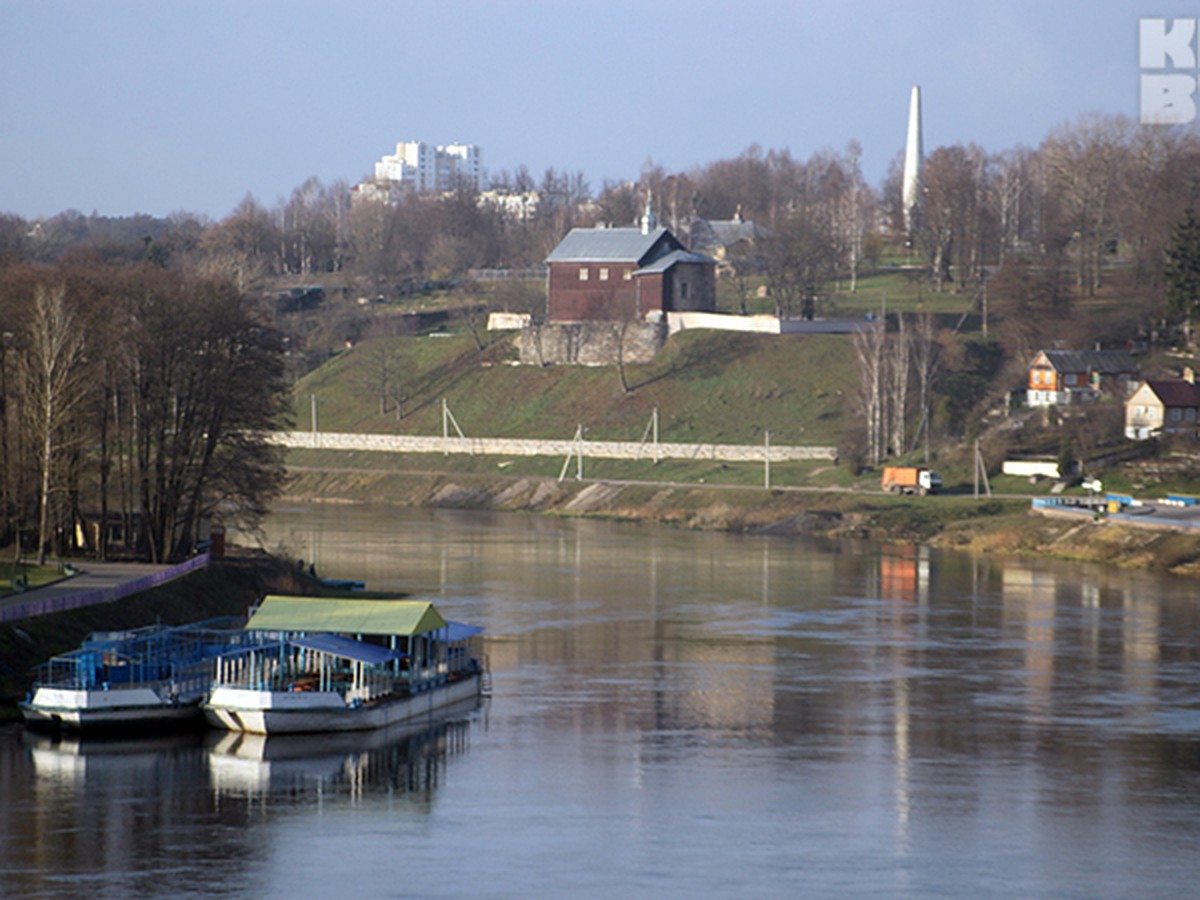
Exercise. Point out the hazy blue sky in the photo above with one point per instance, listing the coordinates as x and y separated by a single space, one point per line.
134 106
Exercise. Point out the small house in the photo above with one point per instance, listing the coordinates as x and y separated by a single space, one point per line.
721 238
1062 377
1162 407
626 274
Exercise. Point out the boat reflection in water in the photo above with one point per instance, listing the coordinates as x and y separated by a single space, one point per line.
72 760
408 757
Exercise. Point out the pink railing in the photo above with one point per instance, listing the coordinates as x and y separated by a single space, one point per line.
40 606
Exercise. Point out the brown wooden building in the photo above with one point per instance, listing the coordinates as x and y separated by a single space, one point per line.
615 274
1059 377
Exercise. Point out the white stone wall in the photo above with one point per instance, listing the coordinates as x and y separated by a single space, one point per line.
398 443
763 324
684 321
502 321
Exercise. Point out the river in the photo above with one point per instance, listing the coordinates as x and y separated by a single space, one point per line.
677 714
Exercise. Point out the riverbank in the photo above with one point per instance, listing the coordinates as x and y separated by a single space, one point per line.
991 526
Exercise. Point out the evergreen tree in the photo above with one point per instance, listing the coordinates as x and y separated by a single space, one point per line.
1182 270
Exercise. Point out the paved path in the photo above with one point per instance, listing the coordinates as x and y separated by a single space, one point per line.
95 583
92 576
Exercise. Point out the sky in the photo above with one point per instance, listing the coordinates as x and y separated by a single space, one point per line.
129 106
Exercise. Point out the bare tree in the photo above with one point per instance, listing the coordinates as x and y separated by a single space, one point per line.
799 257
925 365
897 374
1085 162
851 211
957 218
869 351
381 371
56 381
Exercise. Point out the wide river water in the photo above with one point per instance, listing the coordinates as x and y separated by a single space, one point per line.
677 714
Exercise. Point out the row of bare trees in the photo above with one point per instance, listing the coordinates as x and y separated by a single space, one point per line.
136 396
898 372
1095 189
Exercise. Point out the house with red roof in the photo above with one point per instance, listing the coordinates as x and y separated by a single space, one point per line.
1162 406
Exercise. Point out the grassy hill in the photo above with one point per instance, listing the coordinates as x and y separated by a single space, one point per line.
707 386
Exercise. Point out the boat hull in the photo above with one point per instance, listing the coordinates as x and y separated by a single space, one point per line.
282 712
80 710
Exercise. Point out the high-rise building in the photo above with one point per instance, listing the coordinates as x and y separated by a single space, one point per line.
423 167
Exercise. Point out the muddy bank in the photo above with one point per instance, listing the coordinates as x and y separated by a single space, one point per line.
1005 527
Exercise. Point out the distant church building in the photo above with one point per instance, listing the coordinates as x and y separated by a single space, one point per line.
722 238
609 291
611 274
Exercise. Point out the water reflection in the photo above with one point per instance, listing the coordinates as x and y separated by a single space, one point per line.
656 629
721 714
408 758
129 817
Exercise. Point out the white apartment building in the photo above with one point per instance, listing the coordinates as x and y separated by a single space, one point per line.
423 167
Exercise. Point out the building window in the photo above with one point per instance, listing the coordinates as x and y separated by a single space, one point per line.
583 273
603 274
1070 379
628 274
683 290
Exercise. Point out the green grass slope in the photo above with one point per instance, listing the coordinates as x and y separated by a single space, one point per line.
707 386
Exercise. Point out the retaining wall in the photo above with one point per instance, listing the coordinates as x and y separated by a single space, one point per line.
591 343
396 443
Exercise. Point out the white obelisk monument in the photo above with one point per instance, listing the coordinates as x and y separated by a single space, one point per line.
914 166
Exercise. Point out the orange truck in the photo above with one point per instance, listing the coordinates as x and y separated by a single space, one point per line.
911 480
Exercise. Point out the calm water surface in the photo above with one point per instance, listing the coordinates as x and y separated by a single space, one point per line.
677 714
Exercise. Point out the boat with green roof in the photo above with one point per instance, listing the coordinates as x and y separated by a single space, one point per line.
324 664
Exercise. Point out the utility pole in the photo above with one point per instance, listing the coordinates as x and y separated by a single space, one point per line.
651 433
448 420
576 451
767 460
980 469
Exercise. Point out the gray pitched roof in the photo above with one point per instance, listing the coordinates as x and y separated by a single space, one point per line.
611 245
1105 362
664 262
723 232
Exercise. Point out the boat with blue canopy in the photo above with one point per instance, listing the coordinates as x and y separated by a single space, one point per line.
151 676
